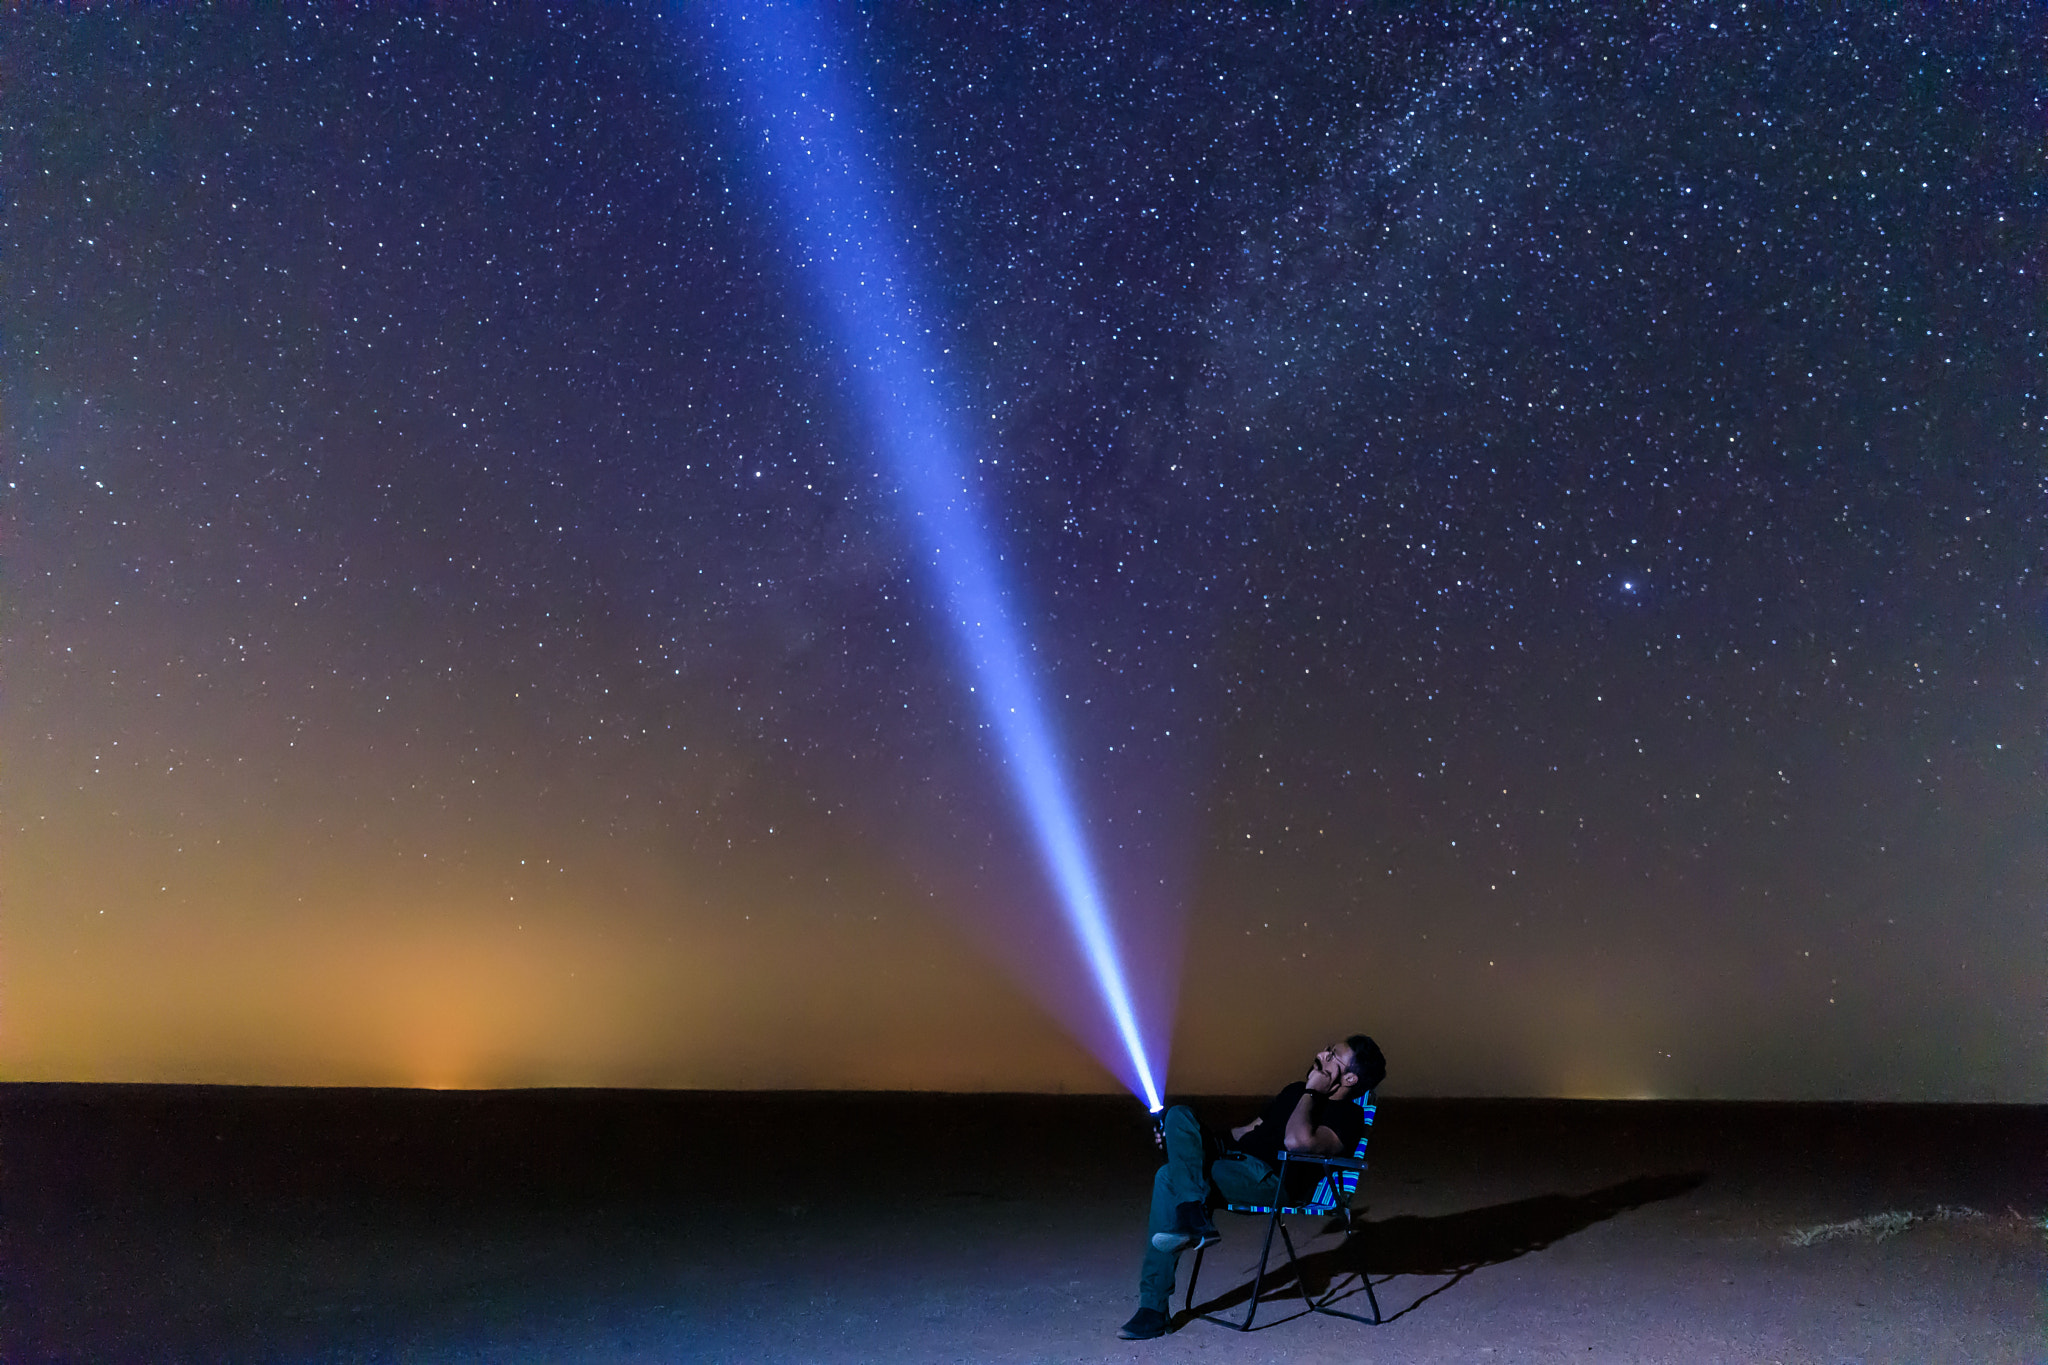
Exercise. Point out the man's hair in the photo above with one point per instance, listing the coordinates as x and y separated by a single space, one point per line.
1367 1061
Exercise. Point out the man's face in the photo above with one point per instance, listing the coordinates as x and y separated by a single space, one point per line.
1336 1062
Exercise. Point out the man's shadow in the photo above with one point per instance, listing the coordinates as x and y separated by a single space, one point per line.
1454 1245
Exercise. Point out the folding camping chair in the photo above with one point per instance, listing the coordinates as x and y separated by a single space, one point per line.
1332 1194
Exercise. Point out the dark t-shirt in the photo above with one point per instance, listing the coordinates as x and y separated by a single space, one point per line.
1342 1117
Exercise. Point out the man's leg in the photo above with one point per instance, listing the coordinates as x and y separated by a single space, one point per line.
1184 1179
1245 1180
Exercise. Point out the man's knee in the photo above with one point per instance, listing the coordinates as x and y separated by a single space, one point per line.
1181 1135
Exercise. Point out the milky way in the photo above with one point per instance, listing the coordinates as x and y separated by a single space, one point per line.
1535 526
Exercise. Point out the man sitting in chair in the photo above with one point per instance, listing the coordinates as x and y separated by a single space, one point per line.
1316 1115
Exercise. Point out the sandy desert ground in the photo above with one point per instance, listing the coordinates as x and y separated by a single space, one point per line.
194 1224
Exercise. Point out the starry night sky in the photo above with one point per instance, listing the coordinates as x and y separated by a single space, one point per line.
1533 527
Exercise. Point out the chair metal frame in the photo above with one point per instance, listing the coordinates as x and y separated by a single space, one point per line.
1332 1194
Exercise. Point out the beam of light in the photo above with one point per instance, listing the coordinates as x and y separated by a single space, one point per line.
805 130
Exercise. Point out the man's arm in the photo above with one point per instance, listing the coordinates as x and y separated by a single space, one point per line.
1320 1139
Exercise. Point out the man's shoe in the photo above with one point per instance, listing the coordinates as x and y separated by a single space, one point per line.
1144 1325
1192 1230
1190 1239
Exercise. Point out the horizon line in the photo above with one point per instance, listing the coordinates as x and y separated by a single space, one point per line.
897 1091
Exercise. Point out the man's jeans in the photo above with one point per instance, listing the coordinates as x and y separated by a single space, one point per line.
1197 1167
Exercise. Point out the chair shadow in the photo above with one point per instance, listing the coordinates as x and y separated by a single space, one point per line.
1455 1244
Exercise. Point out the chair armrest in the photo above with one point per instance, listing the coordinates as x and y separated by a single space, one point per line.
1339 1163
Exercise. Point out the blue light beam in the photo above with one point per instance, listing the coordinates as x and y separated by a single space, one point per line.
804 128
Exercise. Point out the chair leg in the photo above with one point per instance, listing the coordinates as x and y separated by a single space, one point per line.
1301 1281
1294 1264
1365 1278
1322 1305
1352 1229
1274 1224
1314 1304
1259 1280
